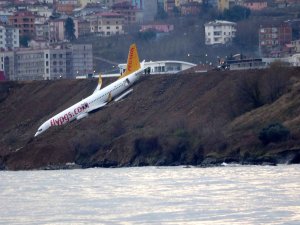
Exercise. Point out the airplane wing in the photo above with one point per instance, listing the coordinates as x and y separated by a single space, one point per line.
99 83
98 106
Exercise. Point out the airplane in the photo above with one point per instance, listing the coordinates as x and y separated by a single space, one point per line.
100 97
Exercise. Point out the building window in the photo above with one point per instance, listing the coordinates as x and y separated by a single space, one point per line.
107 28
47 56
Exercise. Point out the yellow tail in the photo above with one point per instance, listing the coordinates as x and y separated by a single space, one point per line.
133 61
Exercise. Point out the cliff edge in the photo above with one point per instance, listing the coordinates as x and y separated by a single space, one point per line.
198 119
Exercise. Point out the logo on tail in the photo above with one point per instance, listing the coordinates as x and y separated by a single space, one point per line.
133 61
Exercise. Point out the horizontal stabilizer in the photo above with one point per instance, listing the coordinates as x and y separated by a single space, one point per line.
123 95
99 83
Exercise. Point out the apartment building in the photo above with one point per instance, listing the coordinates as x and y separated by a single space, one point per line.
41 10
255 5
9 37
57 30
24 21
83 3
52 63
296 45
169 6
81 61
190 8
83 27
149 10
106 24
127 10
219 32
42 31
273 38
162 28
66 6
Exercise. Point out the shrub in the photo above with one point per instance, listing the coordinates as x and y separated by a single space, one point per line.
273 133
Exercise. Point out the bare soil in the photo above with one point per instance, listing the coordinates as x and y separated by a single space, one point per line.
196 119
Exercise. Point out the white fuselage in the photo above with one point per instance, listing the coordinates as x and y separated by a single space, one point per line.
97 100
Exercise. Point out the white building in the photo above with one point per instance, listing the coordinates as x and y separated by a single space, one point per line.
219 32
293 60
9 37
163 67
43 11
46 1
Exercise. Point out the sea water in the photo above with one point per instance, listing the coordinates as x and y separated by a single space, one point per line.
152 195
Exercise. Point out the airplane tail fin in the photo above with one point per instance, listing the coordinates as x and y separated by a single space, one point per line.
133 61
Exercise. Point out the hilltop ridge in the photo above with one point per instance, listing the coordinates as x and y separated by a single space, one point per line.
198 119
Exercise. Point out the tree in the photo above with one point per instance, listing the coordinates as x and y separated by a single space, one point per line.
176 11
247 35
249 91
161 13
147 35
236 13
24 40
276 81
69 29
275 132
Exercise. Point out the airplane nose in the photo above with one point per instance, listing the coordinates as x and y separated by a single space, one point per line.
36 134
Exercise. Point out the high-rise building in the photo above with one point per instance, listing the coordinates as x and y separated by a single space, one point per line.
65 61
149 10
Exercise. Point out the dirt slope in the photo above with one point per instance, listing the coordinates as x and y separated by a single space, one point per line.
194 119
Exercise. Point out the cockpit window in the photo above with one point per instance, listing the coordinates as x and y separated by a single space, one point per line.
40 130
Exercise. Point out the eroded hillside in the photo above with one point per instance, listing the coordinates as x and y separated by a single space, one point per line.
198 119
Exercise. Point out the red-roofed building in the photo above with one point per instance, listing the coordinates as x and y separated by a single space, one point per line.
24 21
127 10
272 39
255 5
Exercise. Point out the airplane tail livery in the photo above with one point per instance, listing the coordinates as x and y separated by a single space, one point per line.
133 61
